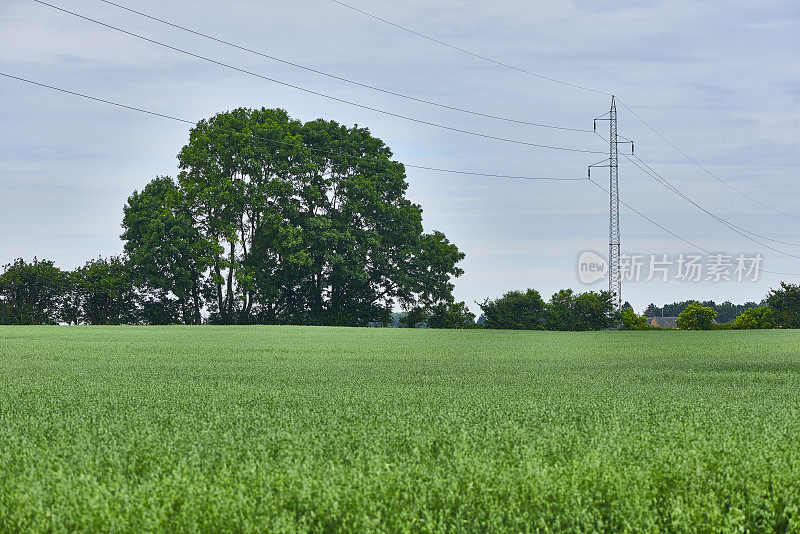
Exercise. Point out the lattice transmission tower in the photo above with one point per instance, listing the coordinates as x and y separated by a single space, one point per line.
614 249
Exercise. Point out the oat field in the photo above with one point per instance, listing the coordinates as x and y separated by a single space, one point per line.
287 429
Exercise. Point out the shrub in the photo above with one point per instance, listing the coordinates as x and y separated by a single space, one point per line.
752 318
515 310
451 315
631 321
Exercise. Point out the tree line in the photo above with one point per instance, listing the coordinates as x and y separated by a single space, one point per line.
779 309
100 292
275 221
726 311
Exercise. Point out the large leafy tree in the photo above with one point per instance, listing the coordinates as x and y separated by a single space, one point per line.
277 221
32 293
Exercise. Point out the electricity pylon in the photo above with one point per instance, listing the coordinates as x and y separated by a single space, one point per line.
614 249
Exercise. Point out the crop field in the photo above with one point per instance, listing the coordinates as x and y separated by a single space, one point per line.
330 429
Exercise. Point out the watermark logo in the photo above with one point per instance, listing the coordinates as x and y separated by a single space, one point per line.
719 267
592 267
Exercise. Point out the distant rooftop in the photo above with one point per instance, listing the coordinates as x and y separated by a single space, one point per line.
663 322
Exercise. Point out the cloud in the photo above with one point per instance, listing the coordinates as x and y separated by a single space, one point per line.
689 68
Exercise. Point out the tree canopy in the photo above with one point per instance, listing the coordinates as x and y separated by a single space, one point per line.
785 302
696 317
31 293
277 221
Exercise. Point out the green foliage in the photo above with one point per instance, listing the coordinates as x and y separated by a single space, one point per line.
761 317
300 223
165 252
515 311
451 315
583 311
32 293
696 317
726 312
631 321
785 302
296 429
105 293
414 318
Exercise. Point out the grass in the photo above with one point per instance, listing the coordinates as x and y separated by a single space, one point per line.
326 429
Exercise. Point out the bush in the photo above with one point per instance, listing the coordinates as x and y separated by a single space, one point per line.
631 321
752 318
32 293
451 315
415 318
583 311
696 317
515 310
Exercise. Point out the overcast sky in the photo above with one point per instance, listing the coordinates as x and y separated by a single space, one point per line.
721 80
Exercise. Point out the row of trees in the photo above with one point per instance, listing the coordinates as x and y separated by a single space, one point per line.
104 291
726 311
522 310
566 310
276 221
100 292
780 309
271 220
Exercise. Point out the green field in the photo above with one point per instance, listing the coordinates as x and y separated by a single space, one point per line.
332 429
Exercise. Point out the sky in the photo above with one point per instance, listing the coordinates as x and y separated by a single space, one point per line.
719 80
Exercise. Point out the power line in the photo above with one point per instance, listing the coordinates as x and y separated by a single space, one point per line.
469 52
737 229
670 232
104 101
340 78
317 93
537 75
178 119
673 234
695 162
675 190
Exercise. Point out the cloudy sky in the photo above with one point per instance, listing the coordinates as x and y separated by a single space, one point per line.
720 80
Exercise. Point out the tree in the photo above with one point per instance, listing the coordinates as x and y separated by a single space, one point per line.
105 292
652 311
515 310
166 254
307 223
583 311
32 293
696 317
594 311
561 311
785 302
451 315
760 317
